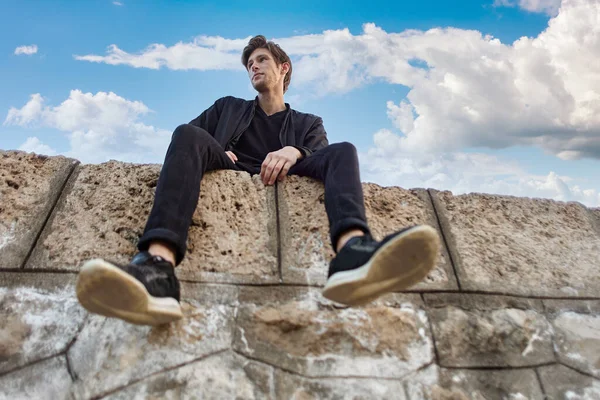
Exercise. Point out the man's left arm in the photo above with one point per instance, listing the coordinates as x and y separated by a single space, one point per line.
277 164
315 139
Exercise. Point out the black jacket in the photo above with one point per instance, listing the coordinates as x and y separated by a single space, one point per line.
229 117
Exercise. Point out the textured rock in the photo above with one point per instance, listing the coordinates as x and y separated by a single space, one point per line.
414 387
101 214
222 376
489 331
305 237
30 184
554 306
46 380
232 237
110 353
311 337
577 341
560 382
488 384
510 245
33 325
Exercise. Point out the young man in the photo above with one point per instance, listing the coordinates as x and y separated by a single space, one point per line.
264 136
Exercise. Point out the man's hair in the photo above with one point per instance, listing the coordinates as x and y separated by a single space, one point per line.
260 42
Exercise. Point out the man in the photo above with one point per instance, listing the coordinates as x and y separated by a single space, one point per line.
265 137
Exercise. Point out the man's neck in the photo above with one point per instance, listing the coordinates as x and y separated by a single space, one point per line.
271 103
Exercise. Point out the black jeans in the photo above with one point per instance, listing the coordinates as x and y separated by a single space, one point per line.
193 151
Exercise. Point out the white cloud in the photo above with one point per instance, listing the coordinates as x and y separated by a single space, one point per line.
549 7
466 89
34 145
388 165
27 50
100 127
117 3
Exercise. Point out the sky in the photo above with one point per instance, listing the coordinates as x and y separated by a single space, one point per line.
497 96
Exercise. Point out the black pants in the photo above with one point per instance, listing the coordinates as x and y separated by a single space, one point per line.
193 151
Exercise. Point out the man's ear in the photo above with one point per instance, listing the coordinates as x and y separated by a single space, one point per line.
285 67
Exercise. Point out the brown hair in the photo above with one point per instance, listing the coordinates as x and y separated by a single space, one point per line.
258 42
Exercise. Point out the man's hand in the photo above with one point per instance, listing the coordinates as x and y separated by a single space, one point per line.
232 156
278 163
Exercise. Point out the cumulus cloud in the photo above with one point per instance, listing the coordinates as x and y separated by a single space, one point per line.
34 145
117 3
204 53
466 89
387 164
99 126
27 50
549 7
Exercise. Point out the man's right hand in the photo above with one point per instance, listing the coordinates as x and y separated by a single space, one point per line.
232 156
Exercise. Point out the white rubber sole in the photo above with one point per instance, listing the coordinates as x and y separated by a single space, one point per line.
105 289
400 263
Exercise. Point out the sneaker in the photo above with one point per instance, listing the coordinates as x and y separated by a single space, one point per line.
144 292
364 269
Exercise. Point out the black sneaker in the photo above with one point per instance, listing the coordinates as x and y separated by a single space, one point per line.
364 269
143 292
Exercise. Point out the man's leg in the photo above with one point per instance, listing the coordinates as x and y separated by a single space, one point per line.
191 154
337 167
363 269
146 291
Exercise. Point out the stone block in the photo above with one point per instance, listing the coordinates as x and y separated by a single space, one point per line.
232 237
110 354
560 383
221 376
48 379
460 384
556 306
30 185
577 341
489 331
509 245
295 387
305 236
306 335
36 324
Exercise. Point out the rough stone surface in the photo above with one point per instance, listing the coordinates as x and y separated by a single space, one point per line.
488 384
577 341
233 237
560 383
105 208
480 331
553 306
222 376
509 245
305 237
102 213
110 353
29 187
33 324
311 337
46 380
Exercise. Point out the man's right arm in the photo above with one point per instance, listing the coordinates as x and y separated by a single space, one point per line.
209 118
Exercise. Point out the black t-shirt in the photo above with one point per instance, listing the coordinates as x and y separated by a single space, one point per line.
261 138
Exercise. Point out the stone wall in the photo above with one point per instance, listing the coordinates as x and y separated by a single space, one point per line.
512 310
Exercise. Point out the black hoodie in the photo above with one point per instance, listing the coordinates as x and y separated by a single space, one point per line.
229 117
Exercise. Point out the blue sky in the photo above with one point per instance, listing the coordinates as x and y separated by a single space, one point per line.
468 128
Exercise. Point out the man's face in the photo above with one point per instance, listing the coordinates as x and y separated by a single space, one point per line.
263 71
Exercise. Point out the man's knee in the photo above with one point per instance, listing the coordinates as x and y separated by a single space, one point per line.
344 147
189 134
